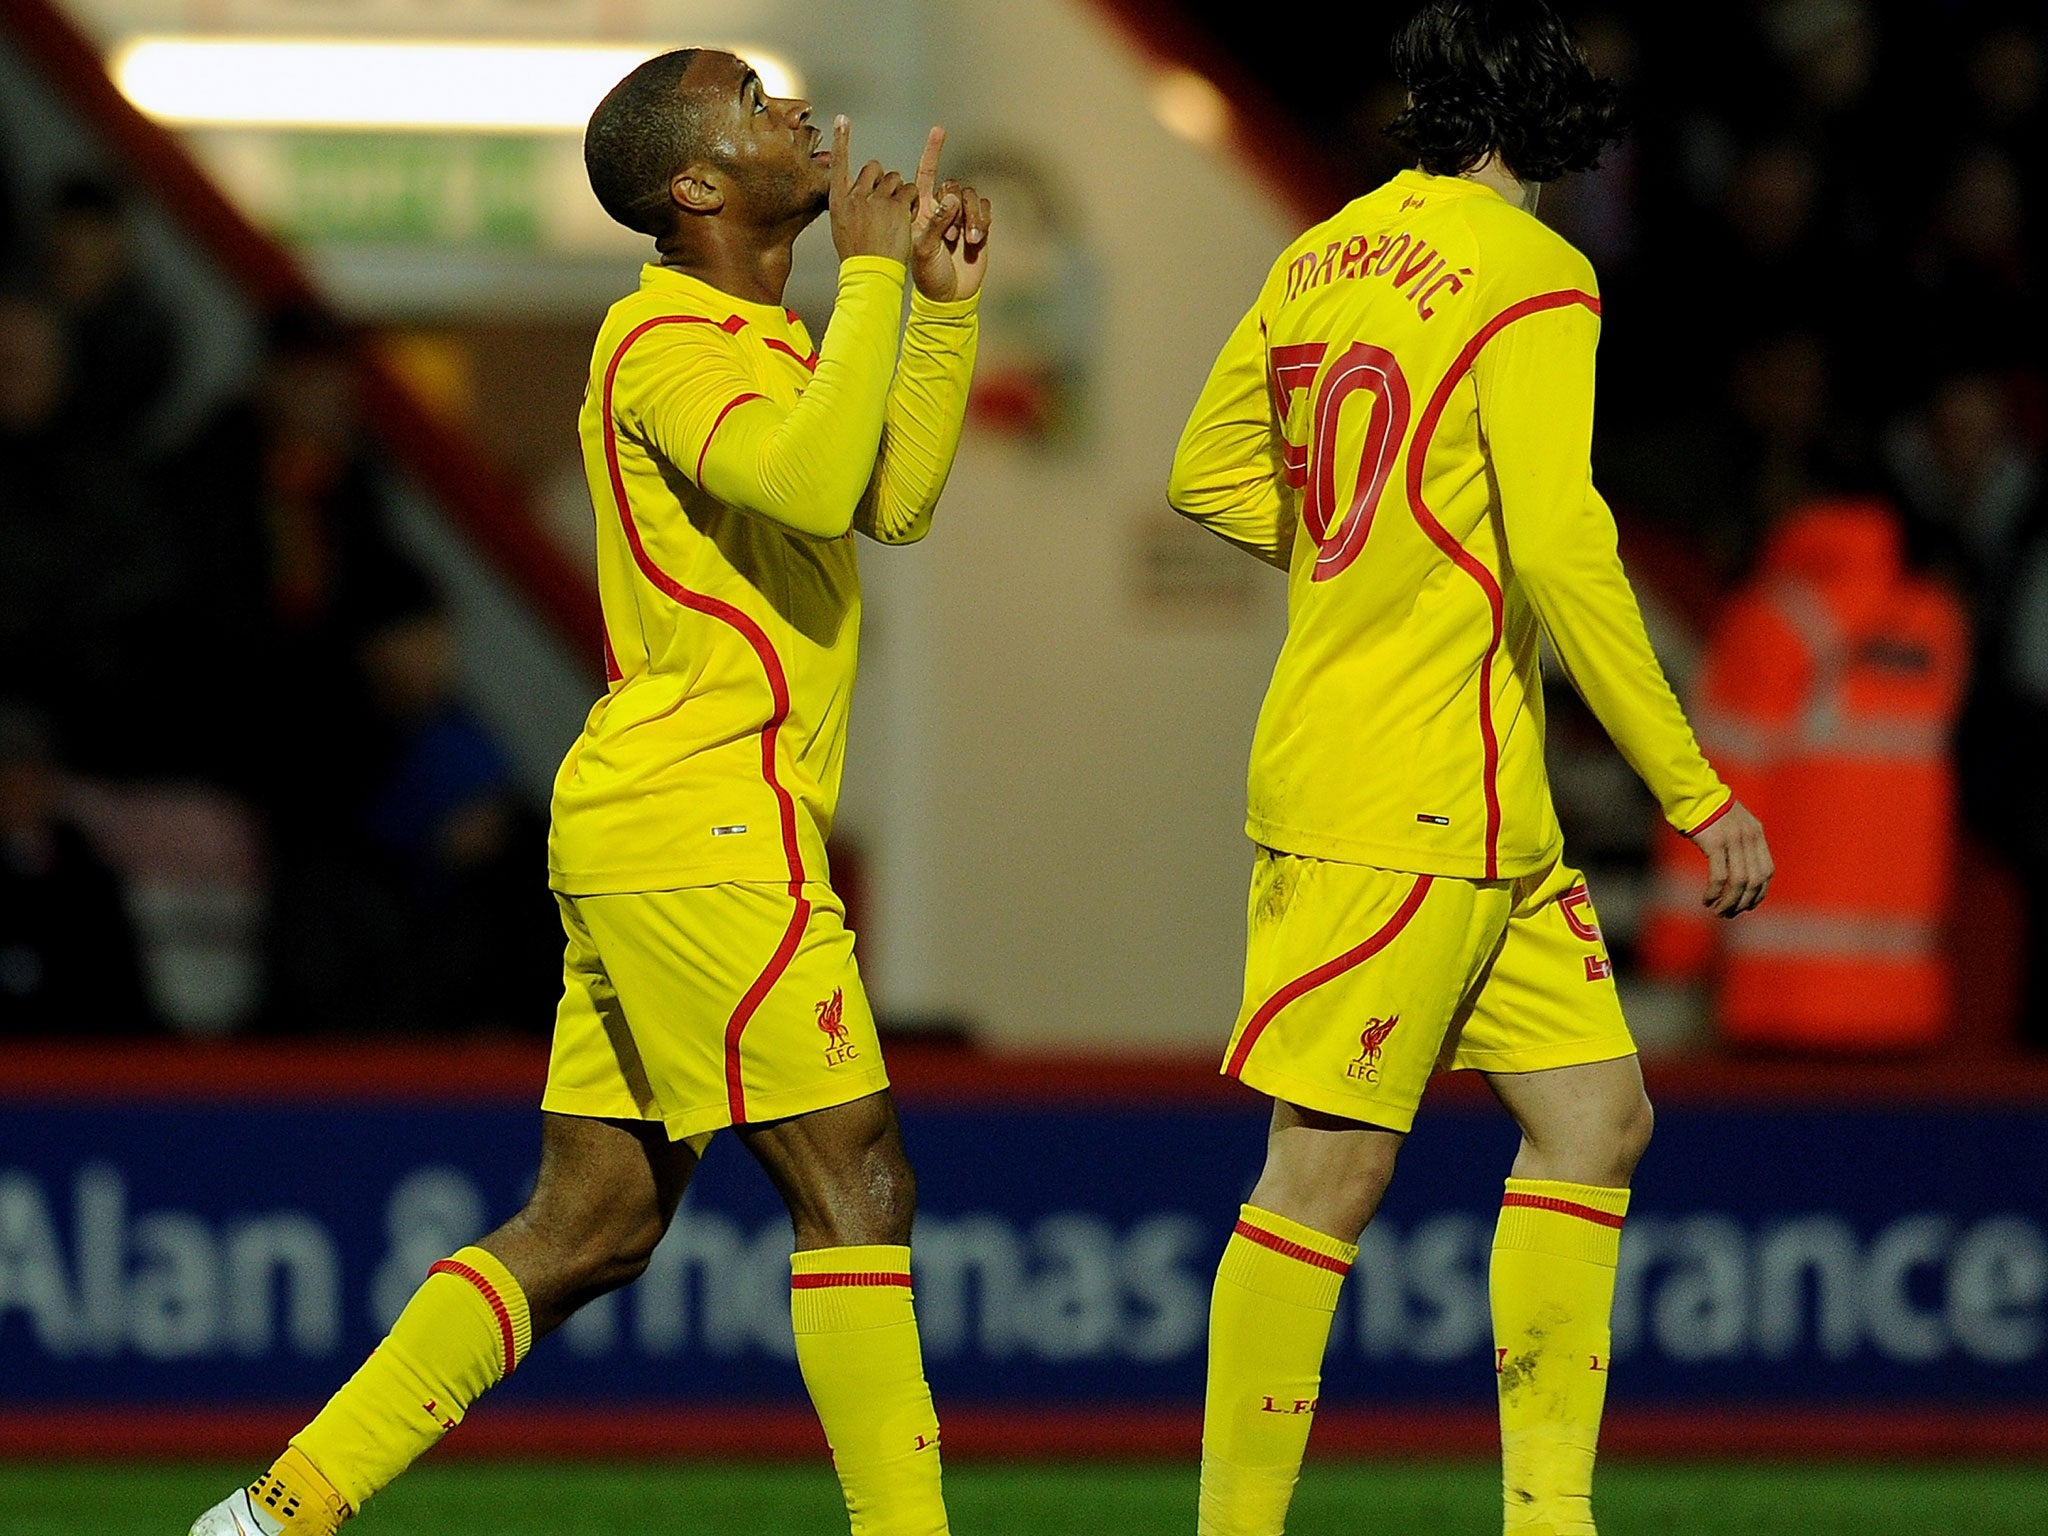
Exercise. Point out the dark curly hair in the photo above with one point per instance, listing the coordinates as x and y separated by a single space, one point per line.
641 134
1501 76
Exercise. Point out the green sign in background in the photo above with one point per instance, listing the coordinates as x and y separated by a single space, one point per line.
413 189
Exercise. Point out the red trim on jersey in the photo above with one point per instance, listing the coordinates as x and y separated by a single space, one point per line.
775 344
1459 556
612 674
1291 1250
1726 806
1563 1208
1327 971
462 1271
821 1281
730 406
778 691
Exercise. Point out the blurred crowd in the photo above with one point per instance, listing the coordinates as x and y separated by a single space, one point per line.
1824 378
1823 416
239 789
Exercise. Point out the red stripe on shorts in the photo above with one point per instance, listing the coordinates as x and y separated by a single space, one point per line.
736 1026
462 1271
1327 971
1291 1250
1563 1208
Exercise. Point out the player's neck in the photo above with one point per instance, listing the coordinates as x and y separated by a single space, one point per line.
1490 172
756 273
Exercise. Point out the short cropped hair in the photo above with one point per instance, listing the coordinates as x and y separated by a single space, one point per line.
642 133
1505 77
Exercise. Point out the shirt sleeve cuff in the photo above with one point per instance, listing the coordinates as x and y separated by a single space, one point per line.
922 308
879 266
1722 810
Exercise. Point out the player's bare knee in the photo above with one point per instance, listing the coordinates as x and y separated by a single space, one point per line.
874 1203
1335 1196
1632 1138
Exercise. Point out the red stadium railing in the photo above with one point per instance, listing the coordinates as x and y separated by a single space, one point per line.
512 1072
660 1431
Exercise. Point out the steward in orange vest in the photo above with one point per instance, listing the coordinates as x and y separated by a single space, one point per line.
1828 696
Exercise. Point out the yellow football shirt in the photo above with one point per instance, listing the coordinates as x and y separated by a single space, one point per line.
729 464
1403 422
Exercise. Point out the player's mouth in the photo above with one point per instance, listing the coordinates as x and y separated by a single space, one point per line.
819 149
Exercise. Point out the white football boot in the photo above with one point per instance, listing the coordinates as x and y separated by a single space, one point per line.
236 1515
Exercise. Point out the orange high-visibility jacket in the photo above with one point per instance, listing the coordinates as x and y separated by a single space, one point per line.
1828 696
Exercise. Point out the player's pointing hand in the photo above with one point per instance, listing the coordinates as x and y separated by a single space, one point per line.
872 210
950 234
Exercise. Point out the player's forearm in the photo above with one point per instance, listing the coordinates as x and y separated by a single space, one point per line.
1224 478
1536 407
926 409
1251 521
807 467
1596 627
1225 474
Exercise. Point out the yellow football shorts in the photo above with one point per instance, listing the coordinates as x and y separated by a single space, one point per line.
713 1006
1361 982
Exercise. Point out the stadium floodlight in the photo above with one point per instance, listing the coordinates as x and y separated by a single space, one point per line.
1191 107
387 83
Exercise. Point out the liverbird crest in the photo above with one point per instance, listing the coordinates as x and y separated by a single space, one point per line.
1374 1037
830 1015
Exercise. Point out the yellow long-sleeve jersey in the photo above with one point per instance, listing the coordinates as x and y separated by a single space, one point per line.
729 465
1403 421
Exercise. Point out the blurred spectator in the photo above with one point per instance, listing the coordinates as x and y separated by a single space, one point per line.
1969 486
88 571
1974 487
70 966
1733 464
123 339
1827 696
282 515
1974 296
2003 103
12 258
1831 54
428 910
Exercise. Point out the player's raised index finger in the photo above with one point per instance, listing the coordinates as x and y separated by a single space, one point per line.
928 166
842 136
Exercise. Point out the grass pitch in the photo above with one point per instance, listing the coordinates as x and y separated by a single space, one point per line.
1114 1499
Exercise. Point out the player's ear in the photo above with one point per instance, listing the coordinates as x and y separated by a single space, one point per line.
697 188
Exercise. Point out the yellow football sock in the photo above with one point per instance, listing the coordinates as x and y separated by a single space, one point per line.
1269 1322
1554 1255
460 1335
856 1342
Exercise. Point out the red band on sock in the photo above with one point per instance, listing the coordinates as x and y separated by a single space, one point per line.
490 1294
1564 1208
1291 1250
820 1281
